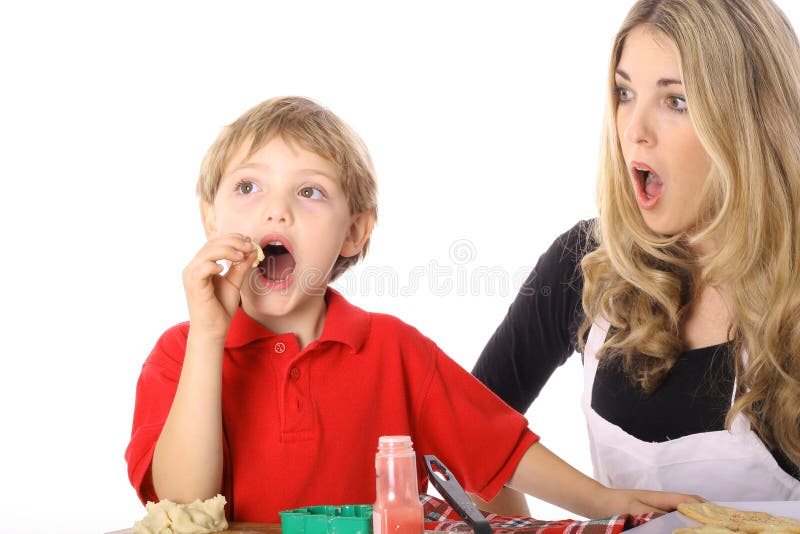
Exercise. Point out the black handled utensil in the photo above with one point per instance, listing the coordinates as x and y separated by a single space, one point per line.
444 481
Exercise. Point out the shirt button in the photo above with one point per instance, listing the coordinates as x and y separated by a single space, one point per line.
280 348
295 373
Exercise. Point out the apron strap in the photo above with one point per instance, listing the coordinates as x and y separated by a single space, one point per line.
597 336
740 423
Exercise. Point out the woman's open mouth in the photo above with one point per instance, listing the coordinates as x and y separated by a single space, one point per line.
649 185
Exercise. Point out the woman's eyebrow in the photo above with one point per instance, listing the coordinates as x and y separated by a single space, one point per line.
663 82
623 74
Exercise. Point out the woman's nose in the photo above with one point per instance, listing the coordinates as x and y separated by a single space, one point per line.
638 128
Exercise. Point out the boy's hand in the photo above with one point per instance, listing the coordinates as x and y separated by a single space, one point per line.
213 298
616 501
544 475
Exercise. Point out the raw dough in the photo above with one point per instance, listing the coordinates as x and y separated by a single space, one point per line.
167 517
260 257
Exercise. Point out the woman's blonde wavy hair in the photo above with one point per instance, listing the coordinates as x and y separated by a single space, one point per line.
740 62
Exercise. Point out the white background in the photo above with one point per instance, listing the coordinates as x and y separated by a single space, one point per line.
483 120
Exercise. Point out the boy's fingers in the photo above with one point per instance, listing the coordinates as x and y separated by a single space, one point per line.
200 269
203 271
207 270
239 270
666 502
222 251
213 252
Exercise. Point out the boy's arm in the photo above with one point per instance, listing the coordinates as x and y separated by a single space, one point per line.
507 502
187 462
545 476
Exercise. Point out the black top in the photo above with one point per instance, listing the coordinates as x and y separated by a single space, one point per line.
540 332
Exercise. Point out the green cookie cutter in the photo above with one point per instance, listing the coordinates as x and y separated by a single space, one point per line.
344 519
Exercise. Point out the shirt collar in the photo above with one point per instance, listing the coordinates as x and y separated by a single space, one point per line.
344 323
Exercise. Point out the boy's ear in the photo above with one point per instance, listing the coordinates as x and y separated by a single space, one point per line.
360 229
209 217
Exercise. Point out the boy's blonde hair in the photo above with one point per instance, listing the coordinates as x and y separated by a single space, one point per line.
740 63
316 129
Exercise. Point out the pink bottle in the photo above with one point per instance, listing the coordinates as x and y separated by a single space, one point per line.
397 509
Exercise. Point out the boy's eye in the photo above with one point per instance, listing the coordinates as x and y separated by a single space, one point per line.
311 192
677 103
623 94
246 187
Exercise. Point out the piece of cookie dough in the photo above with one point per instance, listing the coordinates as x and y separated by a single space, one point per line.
260 257
167 517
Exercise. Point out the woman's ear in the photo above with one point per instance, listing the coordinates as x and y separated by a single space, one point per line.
209 217
361 226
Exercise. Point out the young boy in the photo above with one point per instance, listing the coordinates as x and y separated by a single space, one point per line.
277 389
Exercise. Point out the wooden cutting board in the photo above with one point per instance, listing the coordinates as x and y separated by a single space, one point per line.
233 528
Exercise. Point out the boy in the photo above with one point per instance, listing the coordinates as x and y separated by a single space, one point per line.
276 391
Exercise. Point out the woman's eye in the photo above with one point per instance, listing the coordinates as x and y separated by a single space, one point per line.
624 94
677 103
311 192
245 187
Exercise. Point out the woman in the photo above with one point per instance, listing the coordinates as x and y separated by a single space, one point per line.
684 295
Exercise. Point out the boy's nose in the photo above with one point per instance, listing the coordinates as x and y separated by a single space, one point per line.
277 211
276 216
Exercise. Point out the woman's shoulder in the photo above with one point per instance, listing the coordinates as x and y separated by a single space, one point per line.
563 258
576 242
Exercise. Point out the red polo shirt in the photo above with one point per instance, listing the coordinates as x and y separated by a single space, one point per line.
301 427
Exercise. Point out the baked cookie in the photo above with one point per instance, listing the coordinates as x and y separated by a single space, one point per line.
711 529
704 529
738 520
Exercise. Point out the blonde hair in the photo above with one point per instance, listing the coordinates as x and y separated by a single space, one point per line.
740 63
314 128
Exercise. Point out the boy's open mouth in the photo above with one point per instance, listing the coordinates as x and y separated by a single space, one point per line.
278 263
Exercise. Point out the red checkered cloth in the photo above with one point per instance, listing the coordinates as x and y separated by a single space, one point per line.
440 516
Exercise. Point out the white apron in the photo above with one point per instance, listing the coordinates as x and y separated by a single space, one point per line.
719 466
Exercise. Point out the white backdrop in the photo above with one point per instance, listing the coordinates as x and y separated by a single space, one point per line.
483 121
